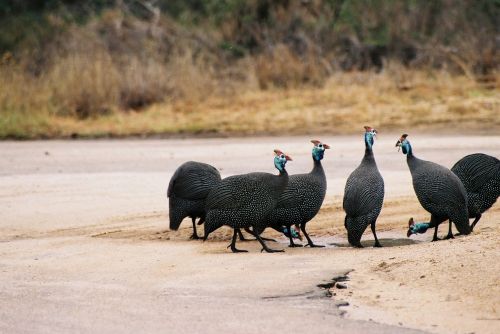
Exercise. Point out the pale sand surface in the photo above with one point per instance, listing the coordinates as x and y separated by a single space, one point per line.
84 246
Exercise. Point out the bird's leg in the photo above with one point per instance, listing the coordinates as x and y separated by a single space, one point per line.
264 246
248 230
194 236
435 237
472 225
233 243
377 243
475 222
292 244
241 236
450 233
309 241
435 221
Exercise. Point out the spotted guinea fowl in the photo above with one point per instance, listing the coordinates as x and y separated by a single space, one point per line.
480 174
187 191
302 198
242 201
363 195
438 190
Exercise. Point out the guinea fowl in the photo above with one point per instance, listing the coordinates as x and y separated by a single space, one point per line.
480 175
363 195
187 191
243 201
439 191
302 198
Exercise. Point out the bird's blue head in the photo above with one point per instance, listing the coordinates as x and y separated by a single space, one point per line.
416 228
404 144
319 149
370 134
280 160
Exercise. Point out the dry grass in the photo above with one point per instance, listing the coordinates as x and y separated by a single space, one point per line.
123 73
394 99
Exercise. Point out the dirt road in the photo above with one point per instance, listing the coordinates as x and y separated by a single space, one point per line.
84 246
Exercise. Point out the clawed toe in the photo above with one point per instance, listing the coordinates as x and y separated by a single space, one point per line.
295 245
236 250
314 246
269 250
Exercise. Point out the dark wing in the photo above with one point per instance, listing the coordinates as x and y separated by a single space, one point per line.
221 197
476 169
239 191
193 180
364 192
295 193
438 188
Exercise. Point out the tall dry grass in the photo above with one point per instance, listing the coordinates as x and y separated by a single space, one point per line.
123 73
392 100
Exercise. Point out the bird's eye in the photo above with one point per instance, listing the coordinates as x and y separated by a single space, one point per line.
282 156
320 145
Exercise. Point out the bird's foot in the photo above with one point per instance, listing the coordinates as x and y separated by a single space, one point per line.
268 239
295 245
236 250
194 237
377 244
435 239
449 236
314 245
269 250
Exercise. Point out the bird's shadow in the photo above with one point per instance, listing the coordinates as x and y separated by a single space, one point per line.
385 242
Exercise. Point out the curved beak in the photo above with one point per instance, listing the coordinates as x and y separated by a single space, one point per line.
411 223
398 144
288 158
326 146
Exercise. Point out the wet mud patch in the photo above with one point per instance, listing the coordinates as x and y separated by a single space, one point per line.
324 290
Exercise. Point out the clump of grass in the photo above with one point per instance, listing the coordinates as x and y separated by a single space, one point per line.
280 67
83 86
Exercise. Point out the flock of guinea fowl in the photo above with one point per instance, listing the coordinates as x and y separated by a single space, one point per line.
286 203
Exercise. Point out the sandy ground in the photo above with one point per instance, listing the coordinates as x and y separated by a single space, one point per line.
84 246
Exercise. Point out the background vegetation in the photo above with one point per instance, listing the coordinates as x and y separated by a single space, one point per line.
135 67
